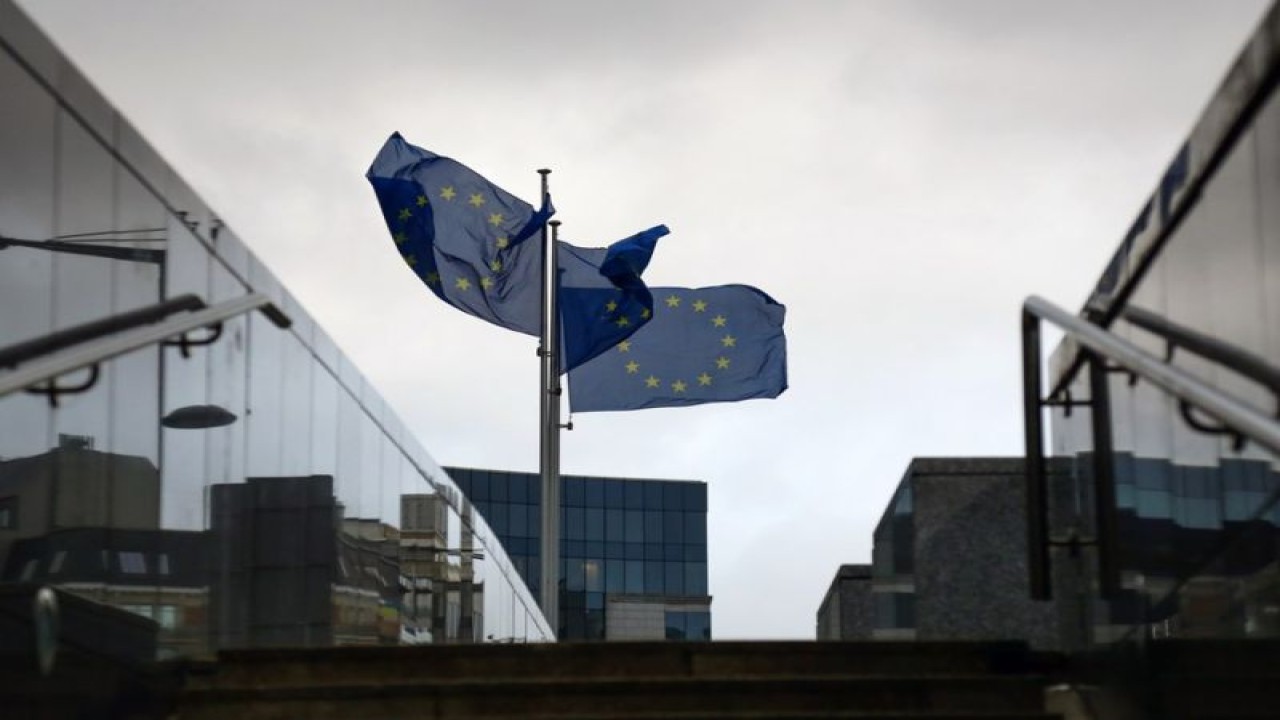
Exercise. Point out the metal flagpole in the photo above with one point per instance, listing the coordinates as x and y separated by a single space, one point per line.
549 460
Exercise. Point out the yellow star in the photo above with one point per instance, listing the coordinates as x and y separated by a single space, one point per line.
503 242
462 284
432 278
422 201
633 367
486 282
644 313
722 363
718 321
678 386
495 219
405 214
652 382
611 306
624 346
673 301
411 260
476 200
400 237
495 265
704 379
729 341
699 305
447 192
622 321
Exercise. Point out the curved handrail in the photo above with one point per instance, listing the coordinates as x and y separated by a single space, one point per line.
1234 358
1249 422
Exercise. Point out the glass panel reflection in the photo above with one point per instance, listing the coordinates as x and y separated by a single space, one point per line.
250 491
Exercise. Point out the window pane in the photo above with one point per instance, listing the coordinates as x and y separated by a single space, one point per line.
613 493
614 525
518 488
577 576
574 493
675 625
653 495
652 526
633 495
595 493
653 577
614 576
635 526
695 527
594 576
499 487
673 496
595 524
575 523
673 526
695 578
696 497
519 521
673 579
634 584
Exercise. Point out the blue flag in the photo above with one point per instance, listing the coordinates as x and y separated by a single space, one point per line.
467 239
479 249
713 344
603 301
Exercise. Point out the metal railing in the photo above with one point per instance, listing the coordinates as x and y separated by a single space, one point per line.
1105 353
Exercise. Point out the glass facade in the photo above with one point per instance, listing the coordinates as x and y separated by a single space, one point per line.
1197 510
251 491
619 537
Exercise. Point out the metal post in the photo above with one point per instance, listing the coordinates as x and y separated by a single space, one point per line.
549 460
1037 496
1104 483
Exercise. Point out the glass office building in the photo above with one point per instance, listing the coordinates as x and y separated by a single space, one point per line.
178 438
633 553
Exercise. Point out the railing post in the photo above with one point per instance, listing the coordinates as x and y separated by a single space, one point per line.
1104 482
1033 427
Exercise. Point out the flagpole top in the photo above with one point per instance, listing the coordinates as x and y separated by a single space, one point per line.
544 172
554 223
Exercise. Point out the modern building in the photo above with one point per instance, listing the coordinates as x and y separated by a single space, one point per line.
178 437
633 552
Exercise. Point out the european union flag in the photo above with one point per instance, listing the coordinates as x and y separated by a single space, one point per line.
603 301
466 238
713 344
479 249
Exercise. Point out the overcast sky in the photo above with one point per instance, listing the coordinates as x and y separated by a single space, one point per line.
899 174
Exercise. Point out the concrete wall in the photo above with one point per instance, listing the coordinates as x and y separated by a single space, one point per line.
846 612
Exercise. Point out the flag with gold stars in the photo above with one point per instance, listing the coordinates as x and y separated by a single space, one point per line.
713 344
479 249
603 300
476 246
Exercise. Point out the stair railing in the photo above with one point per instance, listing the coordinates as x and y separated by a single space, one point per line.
1106 352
